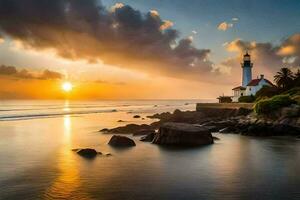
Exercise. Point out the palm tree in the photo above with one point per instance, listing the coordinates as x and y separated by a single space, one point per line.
284 78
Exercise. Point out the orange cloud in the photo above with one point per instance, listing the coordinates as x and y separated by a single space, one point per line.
12 71
224 26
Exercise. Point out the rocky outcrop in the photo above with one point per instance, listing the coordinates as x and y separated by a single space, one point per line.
121 141
129 129
254 126
205 115
88 153
182 135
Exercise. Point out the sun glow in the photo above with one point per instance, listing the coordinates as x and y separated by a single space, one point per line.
67 86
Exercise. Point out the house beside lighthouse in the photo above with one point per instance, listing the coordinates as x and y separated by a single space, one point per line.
249 86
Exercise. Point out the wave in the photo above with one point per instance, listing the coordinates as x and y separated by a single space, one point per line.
59 107
50 115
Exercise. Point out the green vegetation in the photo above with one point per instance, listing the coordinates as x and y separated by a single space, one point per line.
288 83
267 106
266 91
284 78
247 99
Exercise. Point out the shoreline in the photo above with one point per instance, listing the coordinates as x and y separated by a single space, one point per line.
227 118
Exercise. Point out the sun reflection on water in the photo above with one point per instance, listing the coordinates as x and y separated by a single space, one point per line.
66 185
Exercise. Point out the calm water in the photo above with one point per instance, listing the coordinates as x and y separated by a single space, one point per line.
36 161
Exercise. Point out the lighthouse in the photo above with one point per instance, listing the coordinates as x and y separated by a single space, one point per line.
247 70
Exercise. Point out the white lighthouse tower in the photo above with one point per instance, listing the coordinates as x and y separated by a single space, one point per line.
247 70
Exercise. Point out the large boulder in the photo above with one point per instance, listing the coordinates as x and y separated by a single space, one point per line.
87 153
183 135
121 141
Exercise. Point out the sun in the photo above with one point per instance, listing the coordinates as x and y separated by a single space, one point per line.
67 86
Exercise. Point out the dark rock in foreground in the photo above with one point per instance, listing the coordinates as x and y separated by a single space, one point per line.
148 138
121 141
88 153
182 135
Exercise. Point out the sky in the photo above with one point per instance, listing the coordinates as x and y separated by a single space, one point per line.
146 49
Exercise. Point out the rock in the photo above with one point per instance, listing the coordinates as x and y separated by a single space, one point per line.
144 132
183 135
88 153
104 130
212 128
270 129
215 126
121 120
136 116
129 129
75 150
243 111
148 138
291 111
108 154
216 138
165 115
121 141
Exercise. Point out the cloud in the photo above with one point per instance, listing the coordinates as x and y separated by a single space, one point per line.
110 82
224 26
116 6
12 71
166 25
154 13
194 32
235 19
120 36
267 58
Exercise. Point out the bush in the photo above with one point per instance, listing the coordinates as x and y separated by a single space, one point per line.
293 92
270 105
247 99
267 91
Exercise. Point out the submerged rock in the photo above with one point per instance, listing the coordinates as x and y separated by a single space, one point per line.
121 141
136 116
88 153
182 134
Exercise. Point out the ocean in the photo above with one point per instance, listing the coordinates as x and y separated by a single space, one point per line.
37 161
